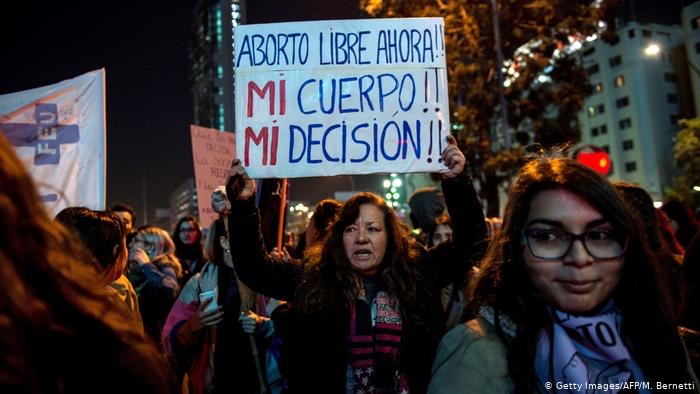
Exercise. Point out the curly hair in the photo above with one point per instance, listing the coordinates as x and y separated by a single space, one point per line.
648 325
332 280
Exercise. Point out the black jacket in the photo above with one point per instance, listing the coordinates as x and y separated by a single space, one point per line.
315 343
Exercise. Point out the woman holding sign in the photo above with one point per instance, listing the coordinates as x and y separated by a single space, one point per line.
567 299
366 314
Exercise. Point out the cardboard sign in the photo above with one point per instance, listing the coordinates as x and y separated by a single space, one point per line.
212 153
341 97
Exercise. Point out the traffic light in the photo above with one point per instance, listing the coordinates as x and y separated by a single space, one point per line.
593 157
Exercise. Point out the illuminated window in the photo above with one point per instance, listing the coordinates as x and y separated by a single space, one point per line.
619 81
220 71
598 87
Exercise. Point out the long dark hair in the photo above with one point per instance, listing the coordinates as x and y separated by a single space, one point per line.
332 280
188 252
54 314
649 325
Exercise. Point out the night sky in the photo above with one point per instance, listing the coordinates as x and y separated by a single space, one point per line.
143 45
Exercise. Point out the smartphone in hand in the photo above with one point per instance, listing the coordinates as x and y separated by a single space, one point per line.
208 295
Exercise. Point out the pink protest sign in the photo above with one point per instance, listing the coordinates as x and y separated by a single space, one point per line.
212 153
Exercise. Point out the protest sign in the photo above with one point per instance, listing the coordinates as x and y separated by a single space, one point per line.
212 153
341 97
58 132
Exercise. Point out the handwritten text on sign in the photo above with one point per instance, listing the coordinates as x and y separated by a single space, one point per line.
212 153
341 97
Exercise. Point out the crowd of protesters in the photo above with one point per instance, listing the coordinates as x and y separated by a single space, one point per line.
581 286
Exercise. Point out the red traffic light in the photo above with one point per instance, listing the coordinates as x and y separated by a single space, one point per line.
595 158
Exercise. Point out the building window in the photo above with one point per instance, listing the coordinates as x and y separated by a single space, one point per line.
615 61
220 71
589 51
598 87
622 102
630 33
695 22
669 77
593 69
671 98
625 123
631 166
674 120
646 33
594 131
606 148
697 47
604 129
627 145
591 111
619 81
601 108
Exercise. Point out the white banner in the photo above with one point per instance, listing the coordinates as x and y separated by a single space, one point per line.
341 97
58 132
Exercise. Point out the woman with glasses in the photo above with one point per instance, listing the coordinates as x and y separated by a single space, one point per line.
188 247
567 299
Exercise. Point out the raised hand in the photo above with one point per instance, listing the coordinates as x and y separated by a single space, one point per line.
238 184
453 158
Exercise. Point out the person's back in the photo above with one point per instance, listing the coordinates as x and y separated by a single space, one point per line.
59 331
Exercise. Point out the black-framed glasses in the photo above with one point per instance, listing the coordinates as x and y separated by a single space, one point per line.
554 244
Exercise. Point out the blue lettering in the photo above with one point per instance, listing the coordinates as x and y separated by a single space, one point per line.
353 134
362 48
428 45
412 94
292 131
408 136
382 93
323 141
312 142
342 95
299 96
321 95
383 142
364 93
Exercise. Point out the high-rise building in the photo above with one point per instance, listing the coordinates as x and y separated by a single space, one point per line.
183 201
211 59
634 107
691 35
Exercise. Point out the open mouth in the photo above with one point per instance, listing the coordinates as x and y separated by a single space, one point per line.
362 254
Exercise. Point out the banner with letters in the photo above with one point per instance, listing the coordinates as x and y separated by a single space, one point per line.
341 97
58 131
212 153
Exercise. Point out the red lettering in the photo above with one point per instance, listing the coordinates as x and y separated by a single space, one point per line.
262 93
273 147
283 96
257 139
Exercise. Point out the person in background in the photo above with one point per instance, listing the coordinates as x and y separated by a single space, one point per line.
127 216
426 205
188 246
568 293
208 337
103 236
155 272
453 295
684 224
365 315
60 332
641 207
324 215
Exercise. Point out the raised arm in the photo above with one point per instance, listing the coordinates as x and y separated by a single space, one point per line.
262 272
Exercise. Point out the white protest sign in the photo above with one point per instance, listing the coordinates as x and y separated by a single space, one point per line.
212 153
341 97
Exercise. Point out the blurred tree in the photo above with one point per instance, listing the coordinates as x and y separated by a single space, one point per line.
686 154
545 86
